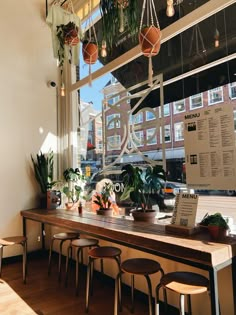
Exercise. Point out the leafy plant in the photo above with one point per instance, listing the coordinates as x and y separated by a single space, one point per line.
43 169
143 186
214 219
112 12
75 184
103 199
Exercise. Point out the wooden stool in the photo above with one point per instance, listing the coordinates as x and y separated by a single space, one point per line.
137 266
104 252
62 237
184 283
79 245
14 240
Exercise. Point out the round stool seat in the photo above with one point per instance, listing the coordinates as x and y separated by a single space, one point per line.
185 282
140 266
65 236
7 241
104 252
84 242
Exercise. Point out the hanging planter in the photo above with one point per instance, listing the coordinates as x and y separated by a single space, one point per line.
90 52
150 40
149 35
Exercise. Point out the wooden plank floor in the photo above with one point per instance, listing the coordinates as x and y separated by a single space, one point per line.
49 297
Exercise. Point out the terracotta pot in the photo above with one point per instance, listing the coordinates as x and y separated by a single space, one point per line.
90 52
150 40
105 212
147 216
217 232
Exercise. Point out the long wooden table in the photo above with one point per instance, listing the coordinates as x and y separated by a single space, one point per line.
196 250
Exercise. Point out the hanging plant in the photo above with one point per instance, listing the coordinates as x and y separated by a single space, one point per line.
67 34
118 16
150 34
90 52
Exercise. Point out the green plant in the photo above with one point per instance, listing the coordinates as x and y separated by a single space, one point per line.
118 16
67 34
75 182
43 170
103 199
143 186
214 219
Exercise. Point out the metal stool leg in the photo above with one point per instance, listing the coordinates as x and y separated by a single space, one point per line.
79 250
118 294
60 254
181 304
1 254
88 283
132 293
189 304
68 258
149 294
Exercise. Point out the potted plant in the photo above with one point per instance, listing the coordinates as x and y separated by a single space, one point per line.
216 225
90 51
103 199
43 169
144 188
75 182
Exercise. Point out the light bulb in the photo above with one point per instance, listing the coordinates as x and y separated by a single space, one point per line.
63 89
170 11
104 49
217 38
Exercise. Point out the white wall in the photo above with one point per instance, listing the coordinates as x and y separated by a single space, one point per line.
26 105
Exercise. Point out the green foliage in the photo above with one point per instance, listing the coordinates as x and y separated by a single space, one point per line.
142 185
75 183
103 199
43 170
214 219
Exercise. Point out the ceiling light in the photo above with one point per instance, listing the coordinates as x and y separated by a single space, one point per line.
170 11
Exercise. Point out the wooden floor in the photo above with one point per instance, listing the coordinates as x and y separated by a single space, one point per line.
49 297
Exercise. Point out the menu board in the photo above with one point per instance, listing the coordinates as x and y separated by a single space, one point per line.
210 155
184 213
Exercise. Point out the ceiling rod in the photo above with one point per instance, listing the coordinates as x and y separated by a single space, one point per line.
203 12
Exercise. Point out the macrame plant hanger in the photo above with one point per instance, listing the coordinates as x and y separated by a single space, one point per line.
90 46
150 36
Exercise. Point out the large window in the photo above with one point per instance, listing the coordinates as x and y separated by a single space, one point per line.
113 143
166 109
232 90
179 131
179 106
150 115
215 96
113 121
167 134
151 136
196 101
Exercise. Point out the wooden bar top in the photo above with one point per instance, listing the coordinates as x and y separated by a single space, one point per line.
148 237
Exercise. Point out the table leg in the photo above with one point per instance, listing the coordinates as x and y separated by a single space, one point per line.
215 309
234 282
24 226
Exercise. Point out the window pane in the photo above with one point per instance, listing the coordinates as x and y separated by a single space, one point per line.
232 90
151 136
179 131
179 106
196 101
215 96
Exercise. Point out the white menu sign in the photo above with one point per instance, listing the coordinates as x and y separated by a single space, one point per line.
210 154
185 210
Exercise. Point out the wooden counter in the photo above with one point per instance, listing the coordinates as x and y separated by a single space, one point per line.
196 250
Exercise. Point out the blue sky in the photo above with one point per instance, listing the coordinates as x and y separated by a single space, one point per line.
93 93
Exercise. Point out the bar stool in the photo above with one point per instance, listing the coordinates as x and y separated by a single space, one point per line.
184 283
137 266
62 237
103 252
14 240
78 245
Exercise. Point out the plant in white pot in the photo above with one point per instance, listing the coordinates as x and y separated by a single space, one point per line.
103 199
74 187
144 188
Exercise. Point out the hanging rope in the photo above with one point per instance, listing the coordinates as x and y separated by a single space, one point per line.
149 37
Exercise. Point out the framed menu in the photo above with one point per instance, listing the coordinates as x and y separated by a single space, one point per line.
185 210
